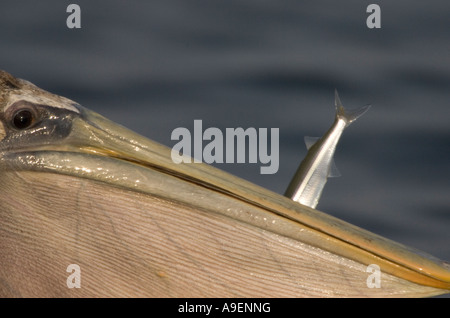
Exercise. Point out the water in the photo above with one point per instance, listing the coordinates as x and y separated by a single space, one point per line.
157 66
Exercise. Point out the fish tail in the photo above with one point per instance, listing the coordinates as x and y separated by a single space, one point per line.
349 115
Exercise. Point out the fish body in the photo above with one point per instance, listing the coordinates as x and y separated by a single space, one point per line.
308 182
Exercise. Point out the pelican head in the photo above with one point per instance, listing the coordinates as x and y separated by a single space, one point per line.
79 191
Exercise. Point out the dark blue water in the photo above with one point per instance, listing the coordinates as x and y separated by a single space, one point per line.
155 66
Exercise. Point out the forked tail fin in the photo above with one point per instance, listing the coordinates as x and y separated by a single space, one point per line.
349 115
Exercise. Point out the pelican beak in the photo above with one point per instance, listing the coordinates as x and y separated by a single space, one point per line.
95 135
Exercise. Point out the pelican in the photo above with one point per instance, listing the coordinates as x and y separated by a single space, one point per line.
80 192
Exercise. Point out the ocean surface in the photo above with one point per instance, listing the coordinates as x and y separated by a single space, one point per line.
154 66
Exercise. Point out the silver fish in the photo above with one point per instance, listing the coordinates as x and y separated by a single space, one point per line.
312 174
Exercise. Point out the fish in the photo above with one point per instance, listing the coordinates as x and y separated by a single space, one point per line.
313 172
89 208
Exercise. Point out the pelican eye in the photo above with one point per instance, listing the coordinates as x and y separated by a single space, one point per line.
23 119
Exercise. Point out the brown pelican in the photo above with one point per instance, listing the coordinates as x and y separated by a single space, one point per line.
80 192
